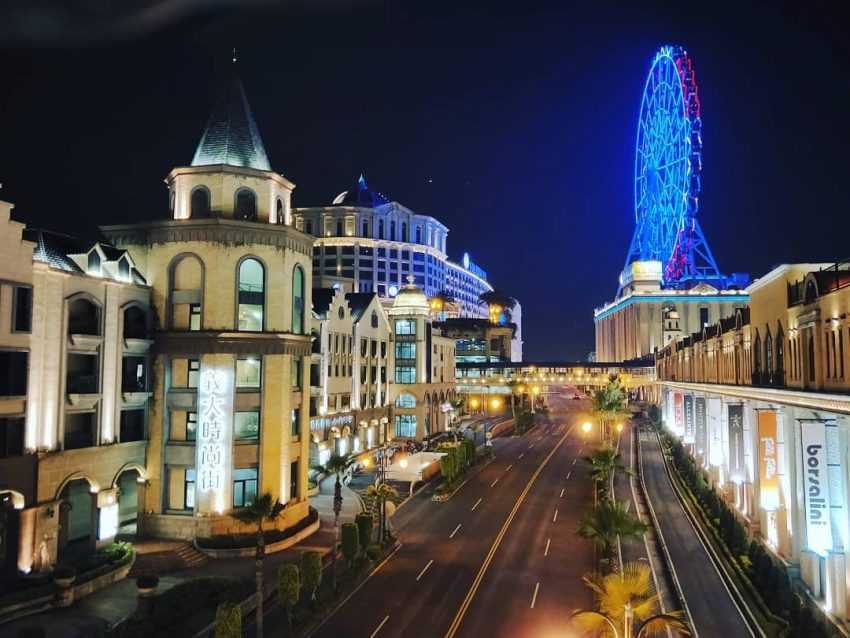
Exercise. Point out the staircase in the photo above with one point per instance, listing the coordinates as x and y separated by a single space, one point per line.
163 558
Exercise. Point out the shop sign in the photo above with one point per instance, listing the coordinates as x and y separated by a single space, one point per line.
325 422
678 413
215 407
701 429
768 460
689 419
816 486
736 442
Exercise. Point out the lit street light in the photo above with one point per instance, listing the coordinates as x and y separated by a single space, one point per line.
586 427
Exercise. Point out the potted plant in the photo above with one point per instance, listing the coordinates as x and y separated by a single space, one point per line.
146 585
64 576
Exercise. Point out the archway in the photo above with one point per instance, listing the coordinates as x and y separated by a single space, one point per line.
77 526
10 527
128 503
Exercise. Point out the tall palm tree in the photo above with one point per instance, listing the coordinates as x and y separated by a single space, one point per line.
337 465
627 601
381 492
497 303
605 522
604 462
264 509
609 403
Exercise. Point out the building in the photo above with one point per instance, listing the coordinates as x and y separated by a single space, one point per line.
349 409
367 243
762 401
424 368
478 340
230 283
74 341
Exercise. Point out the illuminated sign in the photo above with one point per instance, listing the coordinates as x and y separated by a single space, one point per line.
108 527
768 461
836 487
689 419
678 414
701 429
323 423
816 486
214 438
715 433
736 442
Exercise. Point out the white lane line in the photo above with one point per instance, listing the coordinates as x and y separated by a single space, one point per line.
554 518
531 446
562 492
574 461
424 569
452 535
522 455
383 622
493 484
546 551
477 503
568 474
508 469
534 597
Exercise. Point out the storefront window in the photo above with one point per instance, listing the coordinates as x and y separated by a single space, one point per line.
405 425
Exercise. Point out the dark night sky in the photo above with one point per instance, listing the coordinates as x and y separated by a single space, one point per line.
515 127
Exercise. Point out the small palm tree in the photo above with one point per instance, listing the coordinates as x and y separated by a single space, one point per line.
605 522
609 403
264 509
337 465
625 600
381 492
604 462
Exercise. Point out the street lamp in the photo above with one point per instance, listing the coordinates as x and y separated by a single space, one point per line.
586 427
534 392
619 427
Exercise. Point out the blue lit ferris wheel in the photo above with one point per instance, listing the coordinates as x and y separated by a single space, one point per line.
668 165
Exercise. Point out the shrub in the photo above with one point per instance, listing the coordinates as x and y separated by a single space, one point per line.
364 528
350 542
373 552
228 620
289 588
117 552
311 572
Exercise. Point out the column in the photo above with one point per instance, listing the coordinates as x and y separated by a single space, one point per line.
304 428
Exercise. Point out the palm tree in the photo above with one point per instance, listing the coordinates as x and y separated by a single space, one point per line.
264 509
604 462
624 600
497 302
337 465
381 492
605 522
609 403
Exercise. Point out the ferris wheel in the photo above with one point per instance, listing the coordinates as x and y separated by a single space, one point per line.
668 165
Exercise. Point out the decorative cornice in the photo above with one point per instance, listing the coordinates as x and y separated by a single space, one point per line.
260 343
220 230
838 403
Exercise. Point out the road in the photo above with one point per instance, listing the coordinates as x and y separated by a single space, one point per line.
713 611
419 591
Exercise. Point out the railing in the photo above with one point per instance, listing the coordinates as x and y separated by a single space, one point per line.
833 278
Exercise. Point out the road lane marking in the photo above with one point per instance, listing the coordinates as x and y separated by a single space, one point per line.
493 484
477 503
574 461
453 628
546 551
555 517
568 474
562 492
534 597
424 569
508 469
452 535
522 455
531 446
383 622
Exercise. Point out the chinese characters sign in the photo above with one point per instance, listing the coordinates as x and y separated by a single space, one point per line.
678 414
701 427
689 419
768 460
736 442
214 438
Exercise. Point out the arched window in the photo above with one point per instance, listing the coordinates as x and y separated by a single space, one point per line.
374 319
298 300
780 353
405 401
200 202
768 354
403 231
380 229
252 295
186 292
280 218
83 317
135 323
392 231
341 312
811 291
757 355
246 205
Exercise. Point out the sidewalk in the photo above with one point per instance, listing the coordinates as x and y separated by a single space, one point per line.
91 616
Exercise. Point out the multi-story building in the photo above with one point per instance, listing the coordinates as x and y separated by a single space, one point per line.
367 243
349 409
478 340
762 400
231 286
424 368
74 340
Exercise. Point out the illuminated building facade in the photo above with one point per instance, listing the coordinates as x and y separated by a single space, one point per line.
762 400
74 394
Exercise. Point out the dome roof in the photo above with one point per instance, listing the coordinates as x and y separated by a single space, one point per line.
360 196
410 300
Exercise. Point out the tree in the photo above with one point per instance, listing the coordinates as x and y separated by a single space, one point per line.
381 493
228 620
364 523
497 303
337 465
604 462
311 572
263 510
289 589
625 602
350 542
609 403
609 519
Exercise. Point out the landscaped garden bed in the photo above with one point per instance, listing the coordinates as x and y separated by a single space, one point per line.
249 541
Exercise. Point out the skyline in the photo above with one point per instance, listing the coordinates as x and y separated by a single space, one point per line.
326 120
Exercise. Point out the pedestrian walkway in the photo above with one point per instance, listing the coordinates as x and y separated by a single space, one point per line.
92 615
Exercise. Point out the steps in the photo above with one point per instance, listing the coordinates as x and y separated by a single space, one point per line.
171 558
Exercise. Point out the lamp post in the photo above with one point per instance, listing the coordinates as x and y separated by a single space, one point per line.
534 392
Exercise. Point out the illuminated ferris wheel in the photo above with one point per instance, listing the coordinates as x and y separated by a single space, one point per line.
668 164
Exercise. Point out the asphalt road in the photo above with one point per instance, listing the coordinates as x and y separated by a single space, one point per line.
712 609
419 591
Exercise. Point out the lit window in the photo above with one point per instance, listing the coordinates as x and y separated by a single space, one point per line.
251 295
405 401
405 425
405 374
246 425
194 372
298 300
405 326
244 487
248 372
191 425
405 350
189 489
194 317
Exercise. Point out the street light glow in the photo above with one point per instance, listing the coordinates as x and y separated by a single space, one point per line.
619 427
586 426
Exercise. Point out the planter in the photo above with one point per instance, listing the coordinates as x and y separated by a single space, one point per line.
65 581
271 548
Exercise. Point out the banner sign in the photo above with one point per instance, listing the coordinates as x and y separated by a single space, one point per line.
816 486
768 460
214 438
689 418
701 428
736 443
715 433
836 487
678 413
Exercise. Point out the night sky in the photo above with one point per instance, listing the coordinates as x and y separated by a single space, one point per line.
515 127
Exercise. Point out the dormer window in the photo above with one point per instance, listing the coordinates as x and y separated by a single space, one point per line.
124 269
280 216
246 205
93 265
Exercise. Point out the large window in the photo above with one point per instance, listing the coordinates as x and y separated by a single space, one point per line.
132 425
295 424
22 309
13 373
133 375
249 372
244 486
11 436
405 401
194 373
246 426
79 430
405 374
298 300
200 202
405 326
135 323
405 350
252 298
83 317
405 425
82 374
189 489
246 205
